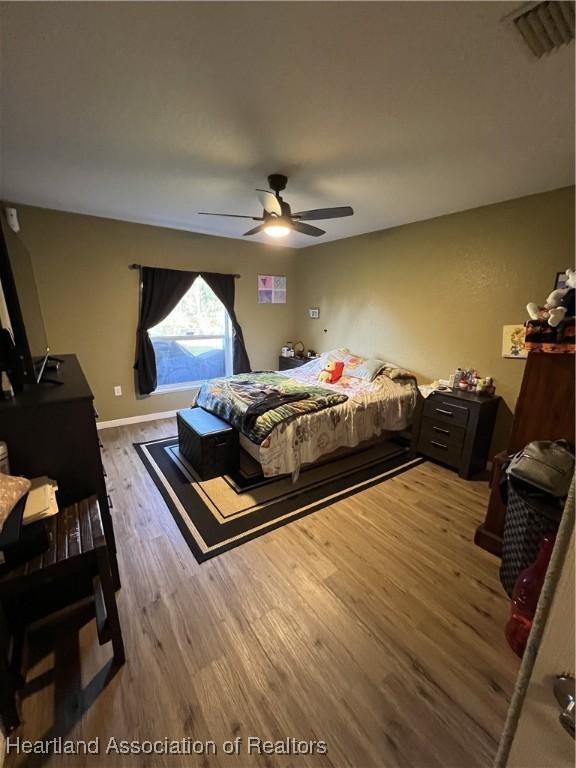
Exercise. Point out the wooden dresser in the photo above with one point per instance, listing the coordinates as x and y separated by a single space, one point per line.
544 411
51 430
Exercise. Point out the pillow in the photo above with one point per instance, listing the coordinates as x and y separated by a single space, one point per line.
362 367
392 371
317 364
341 354
352 364
12 489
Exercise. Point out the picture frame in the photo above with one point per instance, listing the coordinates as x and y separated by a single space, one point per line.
513 346
272 289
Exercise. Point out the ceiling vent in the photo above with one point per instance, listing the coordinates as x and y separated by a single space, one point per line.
546 26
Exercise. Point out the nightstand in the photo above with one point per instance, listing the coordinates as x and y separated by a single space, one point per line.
455 428
285 363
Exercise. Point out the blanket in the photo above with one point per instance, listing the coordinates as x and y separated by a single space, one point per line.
231 399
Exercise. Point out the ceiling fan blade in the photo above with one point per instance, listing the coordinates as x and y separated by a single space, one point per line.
269 202
306 229
254 231
231 216
324 213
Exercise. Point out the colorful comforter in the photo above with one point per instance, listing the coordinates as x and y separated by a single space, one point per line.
373 409
236 397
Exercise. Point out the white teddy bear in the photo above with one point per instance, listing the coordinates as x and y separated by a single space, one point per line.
559 304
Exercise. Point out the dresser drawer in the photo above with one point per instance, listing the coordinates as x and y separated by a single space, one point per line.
446 411
440 431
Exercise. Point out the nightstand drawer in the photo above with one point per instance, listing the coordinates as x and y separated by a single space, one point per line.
443 450
447 411
434 430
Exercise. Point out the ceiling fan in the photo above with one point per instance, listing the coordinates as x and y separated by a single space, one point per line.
277 218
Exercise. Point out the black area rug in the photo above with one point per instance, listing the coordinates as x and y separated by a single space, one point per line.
219 514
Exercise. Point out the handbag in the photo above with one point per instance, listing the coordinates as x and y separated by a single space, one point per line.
545 464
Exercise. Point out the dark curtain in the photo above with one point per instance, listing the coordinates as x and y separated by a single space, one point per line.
224 288
162 289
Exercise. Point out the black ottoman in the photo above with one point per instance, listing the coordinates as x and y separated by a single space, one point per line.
207 442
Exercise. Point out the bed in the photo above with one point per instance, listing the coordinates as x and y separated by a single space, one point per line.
352 412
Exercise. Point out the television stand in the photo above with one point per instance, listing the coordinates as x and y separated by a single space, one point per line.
48 380
47 363
53 362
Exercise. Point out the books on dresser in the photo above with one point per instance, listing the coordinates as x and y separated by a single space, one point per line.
41 502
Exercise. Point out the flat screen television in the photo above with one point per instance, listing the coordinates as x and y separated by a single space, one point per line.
20 312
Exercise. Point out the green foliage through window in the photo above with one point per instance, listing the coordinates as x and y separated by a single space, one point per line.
199 313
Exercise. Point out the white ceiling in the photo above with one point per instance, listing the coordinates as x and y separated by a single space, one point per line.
151 112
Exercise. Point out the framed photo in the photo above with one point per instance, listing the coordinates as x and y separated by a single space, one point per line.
513 342
560 282
271 289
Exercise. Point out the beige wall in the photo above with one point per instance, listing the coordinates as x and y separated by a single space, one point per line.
434 295
89 297
430 296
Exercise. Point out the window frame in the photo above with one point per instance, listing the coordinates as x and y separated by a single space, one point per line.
227 343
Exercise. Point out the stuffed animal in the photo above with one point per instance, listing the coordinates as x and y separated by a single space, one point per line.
332 372
559 304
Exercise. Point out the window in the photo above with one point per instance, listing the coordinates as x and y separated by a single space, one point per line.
194 342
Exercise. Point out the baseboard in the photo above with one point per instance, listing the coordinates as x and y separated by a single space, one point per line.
135 419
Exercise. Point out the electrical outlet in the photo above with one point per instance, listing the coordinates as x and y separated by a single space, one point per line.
118 391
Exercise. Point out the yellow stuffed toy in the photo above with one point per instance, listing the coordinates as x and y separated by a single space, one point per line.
332 372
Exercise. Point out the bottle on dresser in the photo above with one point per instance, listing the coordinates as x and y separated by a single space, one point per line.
456 377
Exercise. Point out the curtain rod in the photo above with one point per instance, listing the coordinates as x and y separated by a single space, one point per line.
139 266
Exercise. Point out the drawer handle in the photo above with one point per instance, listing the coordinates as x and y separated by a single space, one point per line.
442 410
439 445
110 505
454 405
439 429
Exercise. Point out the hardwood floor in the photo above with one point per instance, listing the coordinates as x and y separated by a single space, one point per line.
374 624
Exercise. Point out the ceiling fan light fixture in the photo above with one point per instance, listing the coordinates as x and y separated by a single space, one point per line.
278 228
